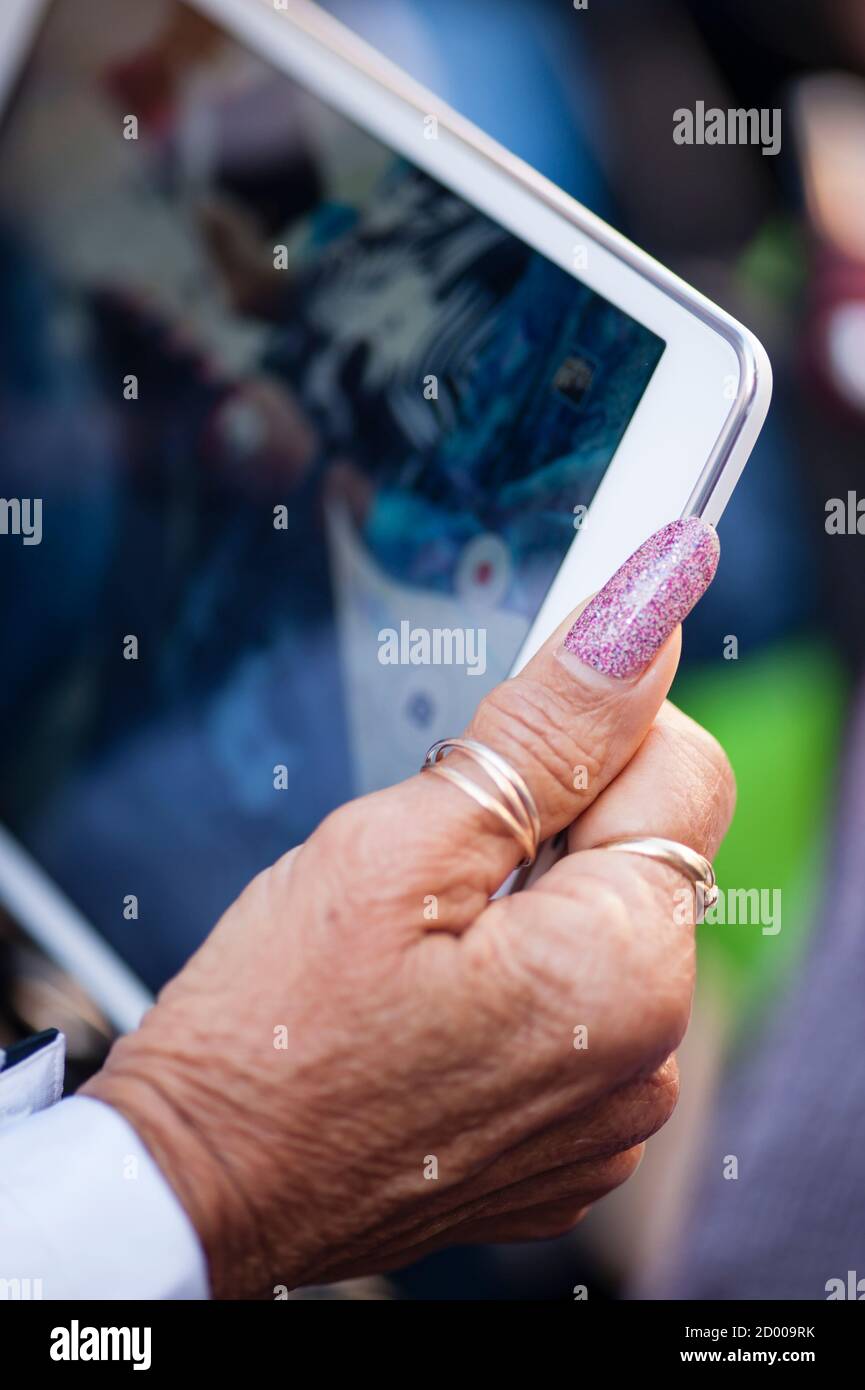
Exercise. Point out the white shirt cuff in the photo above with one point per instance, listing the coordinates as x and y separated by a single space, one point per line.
34 1082
86 1214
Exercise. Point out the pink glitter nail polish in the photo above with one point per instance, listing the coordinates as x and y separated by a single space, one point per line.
635 612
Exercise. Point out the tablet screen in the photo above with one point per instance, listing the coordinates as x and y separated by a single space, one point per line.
292 444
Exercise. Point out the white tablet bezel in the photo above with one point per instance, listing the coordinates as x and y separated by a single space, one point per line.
684 447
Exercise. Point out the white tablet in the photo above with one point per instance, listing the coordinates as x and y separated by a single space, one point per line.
318 411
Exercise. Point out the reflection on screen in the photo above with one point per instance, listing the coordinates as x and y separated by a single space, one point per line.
309 435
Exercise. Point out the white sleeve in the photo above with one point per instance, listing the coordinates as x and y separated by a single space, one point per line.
84 1210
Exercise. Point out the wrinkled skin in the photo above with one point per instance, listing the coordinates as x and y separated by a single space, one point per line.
415 1047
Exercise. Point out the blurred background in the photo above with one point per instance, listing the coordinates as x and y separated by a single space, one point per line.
587 96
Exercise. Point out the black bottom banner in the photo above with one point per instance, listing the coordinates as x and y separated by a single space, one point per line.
255 1338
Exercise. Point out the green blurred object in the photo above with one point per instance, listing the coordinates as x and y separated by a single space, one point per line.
775 262
780 716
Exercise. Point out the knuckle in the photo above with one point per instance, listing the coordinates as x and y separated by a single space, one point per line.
651 960
350 850
631 1114
719 771
700 750
574 1186
532 726
338 832
663 1095
668 1021
667 1008
650 1103
611 1172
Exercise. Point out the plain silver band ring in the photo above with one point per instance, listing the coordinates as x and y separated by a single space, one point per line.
687 861
519 815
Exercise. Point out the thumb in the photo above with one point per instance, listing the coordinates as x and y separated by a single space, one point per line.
568 723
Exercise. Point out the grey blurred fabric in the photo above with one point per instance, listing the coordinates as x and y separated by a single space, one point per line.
793 1112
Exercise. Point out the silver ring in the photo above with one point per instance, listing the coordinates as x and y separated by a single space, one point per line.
519 813
687 861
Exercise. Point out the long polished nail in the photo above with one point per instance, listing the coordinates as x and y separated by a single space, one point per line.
630 619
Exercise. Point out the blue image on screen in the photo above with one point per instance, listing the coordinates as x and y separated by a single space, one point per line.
273 403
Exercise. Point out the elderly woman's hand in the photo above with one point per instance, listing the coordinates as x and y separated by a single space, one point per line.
368 1059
